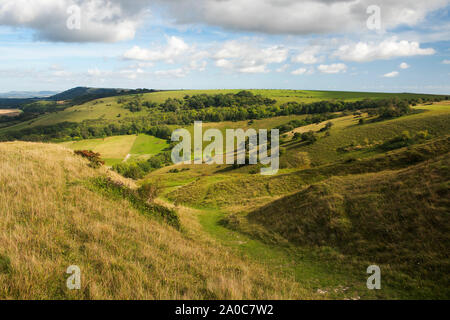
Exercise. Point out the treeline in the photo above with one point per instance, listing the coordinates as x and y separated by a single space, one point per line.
155 123
76 131
201 101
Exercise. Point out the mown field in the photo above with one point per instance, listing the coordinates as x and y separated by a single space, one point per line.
121 148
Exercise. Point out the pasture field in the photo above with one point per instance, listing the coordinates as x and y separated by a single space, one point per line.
121 148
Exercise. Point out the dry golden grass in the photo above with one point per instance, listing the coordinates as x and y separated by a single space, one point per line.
50 219
9 112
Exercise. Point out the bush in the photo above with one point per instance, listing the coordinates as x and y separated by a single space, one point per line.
93 157
150 191
309 137
327 127
137 170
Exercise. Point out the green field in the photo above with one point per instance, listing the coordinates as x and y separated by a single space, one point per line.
121 148
111 111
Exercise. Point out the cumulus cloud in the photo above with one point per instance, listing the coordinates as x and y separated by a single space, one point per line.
172 73
307 56
404 65
95 72
392 74
298 16
299 71
387 49
100 20
175 48
302 71
332 68
245 57
446 61
177 51
117 20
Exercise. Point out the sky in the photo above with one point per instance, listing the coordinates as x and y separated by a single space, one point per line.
350 45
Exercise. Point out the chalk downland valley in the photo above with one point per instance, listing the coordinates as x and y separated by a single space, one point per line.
86 179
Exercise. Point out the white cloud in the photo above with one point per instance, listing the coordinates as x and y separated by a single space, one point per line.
302 71
95 72
283 68
245 57
332 68
174 49
173 73
446 61
118 20
132 73
299 71
387 49
392 74
298 16
308 56
101 20
404 65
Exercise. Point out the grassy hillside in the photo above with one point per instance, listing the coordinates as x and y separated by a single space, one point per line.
111 110
123 254
388 218
212 186
368 189
435 119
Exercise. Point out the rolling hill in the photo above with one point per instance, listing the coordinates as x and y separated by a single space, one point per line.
367 190
123 253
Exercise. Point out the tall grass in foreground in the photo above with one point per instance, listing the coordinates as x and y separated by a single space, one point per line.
50 220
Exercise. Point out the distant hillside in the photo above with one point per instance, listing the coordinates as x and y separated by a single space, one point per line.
84 94
27 94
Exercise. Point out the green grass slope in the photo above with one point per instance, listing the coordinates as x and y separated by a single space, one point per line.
396 219
434 118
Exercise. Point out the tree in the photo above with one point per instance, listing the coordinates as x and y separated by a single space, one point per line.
309 137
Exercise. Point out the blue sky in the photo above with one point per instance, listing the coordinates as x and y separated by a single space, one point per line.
175 44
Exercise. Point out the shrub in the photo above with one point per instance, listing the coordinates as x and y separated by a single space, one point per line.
149 191
93 157
309 137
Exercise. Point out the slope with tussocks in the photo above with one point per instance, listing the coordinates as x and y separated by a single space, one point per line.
399 219
50 219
